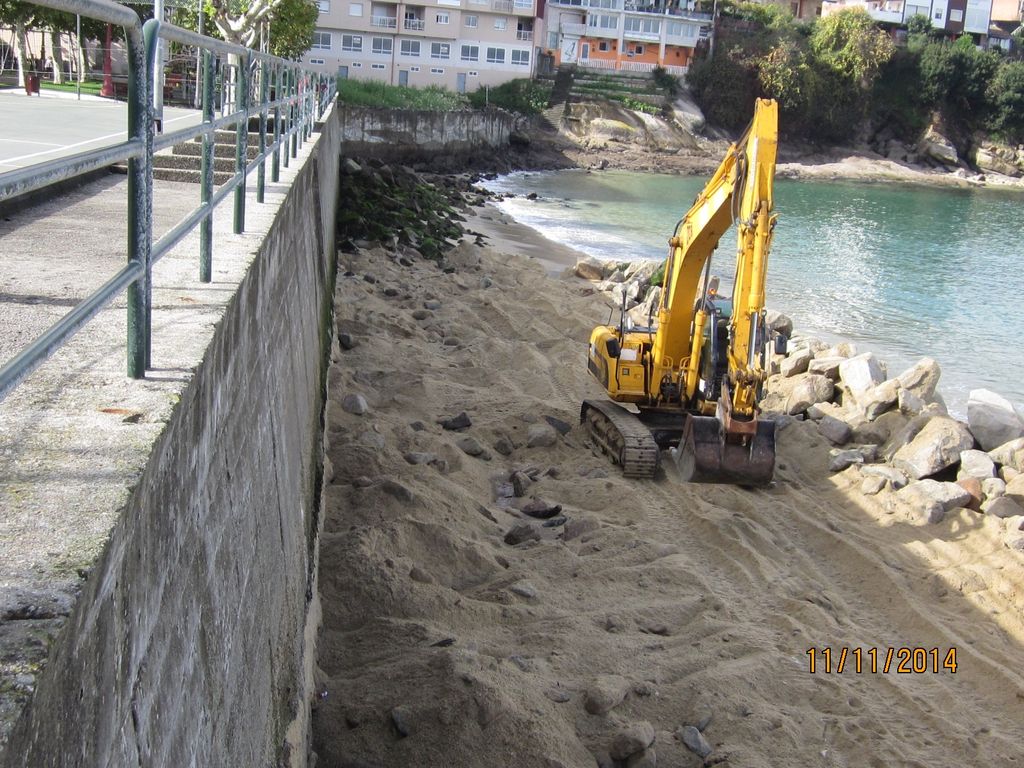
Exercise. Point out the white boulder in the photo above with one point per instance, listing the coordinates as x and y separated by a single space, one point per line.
1010 454
977 464
812 389
921 378
861 373
826 366
879 399
932 499
937 446
992 419
797 362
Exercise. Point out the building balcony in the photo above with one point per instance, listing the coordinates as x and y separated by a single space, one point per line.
886 15
524 34
688 41
611 34
383 22
416 25
645 37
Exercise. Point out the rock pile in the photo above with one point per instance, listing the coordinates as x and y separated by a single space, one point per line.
898 436
894 432
638 283
397 206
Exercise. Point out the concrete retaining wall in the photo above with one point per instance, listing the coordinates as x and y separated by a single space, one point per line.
398 134
191 642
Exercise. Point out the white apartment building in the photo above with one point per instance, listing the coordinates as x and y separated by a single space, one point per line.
458 44
952 16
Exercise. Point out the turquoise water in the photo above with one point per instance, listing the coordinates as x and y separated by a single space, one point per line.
905 272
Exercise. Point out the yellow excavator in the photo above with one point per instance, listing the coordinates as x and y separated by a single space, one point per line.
692 382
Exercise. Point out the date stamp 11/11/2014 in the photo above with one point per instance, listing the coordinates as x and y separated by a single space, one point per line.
902 661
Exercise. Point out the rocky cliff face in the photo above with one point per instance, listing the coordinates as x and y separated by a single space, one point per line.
599 125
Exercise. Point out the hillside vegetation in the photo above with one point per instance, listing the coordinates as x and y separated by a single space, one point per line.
522 96
842 77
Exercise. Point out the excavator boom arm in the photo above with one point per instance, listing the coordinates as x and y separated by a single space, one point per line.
741 188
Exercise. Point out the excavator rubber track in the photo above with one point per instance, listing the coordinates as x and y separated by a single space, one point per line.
622 436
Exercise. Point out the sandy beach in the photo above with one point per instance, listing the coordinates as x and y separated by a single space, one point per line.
657 623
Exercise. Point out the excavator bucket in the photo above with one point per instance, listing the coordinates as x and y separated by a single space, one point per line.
705 455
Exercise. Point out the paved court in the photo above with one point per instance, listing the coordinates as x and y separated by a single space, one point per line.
34 129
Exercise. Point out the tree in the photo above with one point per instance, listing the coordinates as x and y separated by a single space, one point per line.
852 45
291 23
20 16
959 78
1007 96
238 21
291 28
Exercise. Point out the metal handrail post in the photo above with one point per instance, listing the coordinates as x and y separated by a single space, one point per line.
140 200
242 138
286 139
294 126
261 173
275 160
207 171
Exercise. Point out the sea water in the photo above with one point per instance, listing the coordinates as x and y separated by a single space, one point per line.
905 272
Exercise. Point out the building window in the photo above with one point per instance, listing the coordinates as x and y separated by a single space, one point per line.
638 50
521 58
938 15
956 15
355 9
603 21
441 18
410 48
316 61
382 45
603 45
471 53
552 40
356 65
500 23
352 43
436 71
647 26
473 73
377 66
495 55
440 50
414 69
472 21
322 40
324 6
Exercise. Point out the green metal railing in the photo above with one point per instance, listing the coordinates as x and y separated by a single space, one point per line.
291 97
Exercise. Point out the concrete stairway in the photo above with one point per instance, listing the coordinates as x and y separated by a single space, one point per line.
183 162
552 116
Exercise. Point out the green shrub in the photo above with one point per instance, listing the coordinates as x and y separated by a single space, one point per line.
524 96
369 93
1006 94
669 83
725 90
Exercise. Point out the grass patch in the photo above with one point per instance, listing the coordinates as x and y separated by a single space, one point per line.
90 87
524 96
366 93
